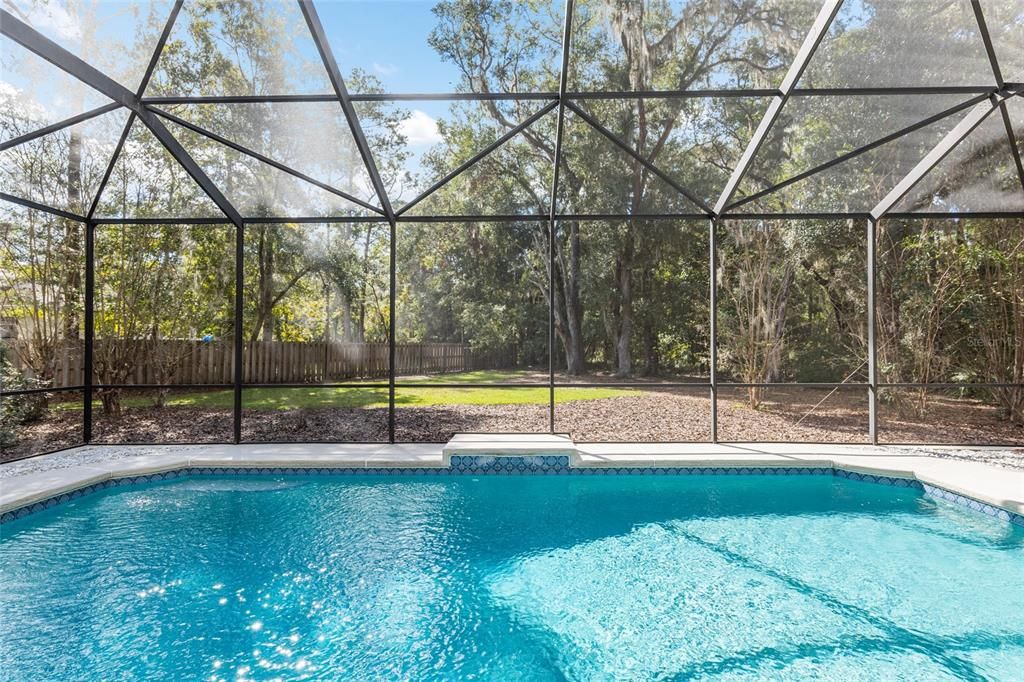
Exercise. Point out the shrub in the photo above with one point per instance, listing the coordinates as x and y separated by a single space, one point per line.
18 409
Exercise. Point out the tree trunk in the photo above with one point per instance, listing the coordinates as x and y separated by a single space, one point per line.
573 314
111 399
266 287
72 239
624 272
777 328
346 320
652 363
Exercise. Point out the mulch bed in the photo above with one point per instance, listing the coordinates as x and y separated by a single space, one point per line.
654 415
948 421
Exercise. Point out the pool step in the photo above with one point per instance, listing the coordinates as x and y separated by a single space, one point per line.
509 445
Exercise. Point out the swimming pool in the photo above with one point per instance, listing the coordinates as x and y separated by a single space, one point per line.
503 578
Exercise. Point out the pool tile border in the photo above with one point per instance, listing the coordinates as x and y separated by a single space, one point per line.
474 465
973 504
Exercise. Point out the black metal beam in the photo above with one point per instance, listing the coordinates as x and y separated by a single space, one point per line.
28 203
265 159
110 165
572 95
954 384
89 306
594 123
855 153
713 323
497 218
990 50
273 220
189 164
803 57
1011 137
48 389
323 46
556 160
160 100
170 220
316 29
454 96
366 97
630 216
796 215
237 336
176 387
997 73
772 92
532 218
486 151
59 125
898 90
958 215
392 319
39 44
143 84
158 49
792 384
872 240
955 136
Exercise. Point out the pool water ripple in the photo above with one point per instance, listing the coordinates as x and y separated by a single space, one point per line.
532 578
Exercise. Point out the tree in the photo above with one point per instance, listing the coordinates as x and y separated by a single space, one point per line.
158 288
35 255
301 276
617 46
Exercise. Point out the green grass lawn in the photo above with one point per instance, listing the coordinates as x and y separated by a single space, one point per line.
481 376
425 396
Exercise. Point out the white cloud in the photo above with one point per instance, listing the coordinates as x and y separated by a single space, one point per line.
51 17
420 129
8 91
385 69
15 103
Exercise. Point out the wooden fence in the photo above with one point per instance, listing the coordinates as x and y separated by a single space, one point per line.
68 367
263 362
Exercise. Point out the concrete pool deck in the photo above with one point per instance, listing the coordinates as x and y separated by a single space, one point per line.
28 481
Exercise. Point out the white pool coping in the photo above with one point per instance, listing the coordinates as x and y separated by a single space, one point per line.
58 473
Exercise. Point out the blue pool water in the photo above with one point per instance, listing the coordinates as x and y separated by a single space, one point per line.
509 578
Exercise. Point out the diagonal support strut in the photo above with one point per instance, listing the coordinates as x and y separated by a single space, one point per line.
39 44
954 137
646 163
796 69
486 151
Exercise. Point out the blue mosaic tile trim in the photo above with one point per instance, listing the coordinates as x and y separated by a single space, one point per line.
875 478
971 503
88 490
512 466
702 471
317 471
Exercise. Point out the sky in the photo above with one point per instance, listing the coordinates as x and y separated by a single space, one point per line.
385 38
388 38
